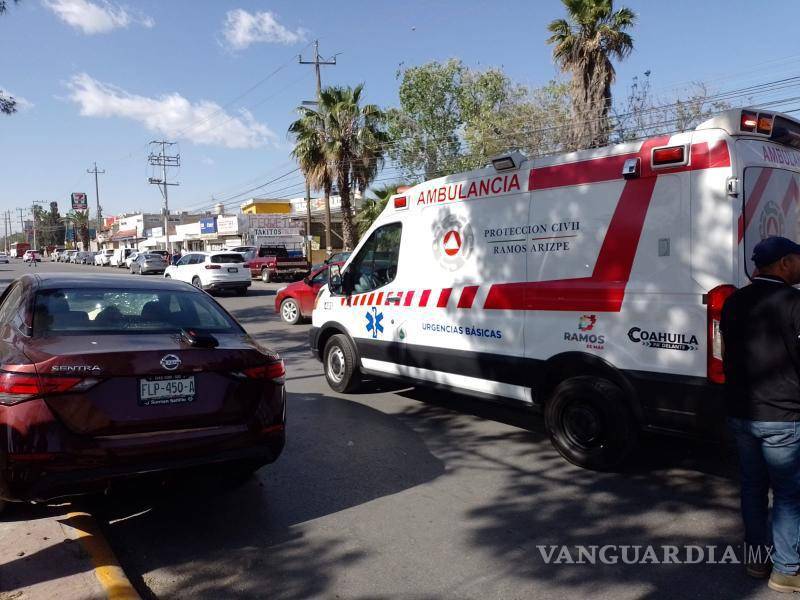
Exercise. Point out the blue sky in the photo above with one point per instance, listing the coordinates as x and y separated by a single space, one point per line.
150 69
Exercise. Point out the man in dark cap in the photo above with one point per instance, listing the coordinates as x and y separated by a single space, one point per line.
760 328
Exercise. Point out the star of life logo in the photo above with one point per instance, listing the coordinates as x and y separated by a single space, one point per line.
453 241
374 325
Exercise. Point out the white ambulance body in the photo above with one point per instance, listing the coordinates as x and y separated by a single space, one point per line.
586 284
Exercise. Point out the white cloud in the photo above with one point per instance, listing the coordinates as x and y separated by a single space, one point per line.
172 115
243 28
95 17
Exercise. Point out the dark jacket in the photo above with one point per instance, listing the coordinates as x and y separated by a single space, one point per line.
760 327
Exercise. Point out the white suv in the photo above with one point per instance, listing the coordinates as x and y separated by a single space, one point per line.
212 271
103 258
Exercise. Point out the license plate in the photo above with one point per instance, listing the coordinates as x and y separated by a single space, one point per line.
158 391
233 270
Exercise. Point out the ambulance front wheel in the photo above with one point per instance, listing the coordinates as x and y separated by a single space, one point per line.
341 368
590 423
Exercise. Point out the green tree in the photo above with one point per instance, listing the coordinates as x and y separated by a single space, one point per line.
351 138
79 219
8 104
425 128
371 208
309 135
584 44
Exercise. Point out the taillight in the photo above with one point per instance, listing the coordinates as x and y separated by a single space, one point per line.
715 300
274 371
213 267
18 387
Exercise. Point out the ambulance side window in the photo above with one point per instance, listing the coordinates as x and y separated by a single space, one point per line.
376 263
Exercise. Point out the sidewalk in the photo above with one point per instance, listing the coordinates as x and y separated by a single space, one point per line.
42 557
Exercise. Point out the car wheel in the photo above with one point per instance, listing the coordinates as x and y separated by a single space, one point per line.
590 423
197 283
167 276
265 277
290 311
241 291
341 370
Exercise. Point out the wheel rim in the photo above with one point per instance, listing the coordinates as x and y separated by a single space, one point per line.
289 311
265 276
583 425
336 364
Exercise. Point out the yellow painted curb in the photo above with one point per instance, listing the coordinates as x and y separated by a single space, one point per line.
106 568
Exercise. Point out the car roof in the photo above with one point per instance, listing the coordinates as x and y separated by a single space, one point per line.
48 281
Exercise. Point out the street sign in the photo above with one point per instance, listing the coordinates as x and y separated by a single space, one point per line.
79 201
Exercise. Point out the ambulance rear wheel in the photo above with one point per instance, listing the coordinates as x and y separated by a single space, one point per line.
341 369
590 423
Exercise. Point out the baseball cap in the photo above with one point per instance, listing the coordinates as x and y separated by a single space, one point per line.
773 248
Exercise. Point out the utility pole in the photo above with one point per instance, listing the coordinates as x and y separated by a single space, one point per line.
317 62
6 219
163 160
21 212
97 172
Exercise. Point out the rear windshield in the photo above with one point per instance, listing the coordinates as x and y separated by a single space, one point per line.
227 258
153 257
272 251
94 311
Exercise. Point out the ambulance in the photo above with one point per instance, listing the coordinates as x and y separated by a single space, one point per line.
586 285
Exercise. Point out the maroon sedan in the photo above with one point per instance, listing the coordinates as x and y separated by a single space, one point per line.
104 378
296 301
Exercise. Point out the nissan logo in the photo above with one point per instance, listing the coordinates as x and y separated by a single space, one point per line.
170 362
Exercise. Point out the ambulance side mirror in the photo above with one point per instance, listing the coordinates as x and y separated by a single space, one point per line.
335 279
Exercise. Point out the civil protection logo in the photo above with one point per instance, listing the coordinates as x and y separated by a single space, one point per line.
771 222
374 325
453 241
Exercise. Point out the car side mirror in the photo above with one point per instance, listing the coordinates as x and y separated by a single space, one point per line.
335 279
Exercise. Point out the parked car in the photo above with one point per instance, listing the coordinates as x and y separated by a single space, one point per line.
131 257
120 255
67 256
272 263
106 378
338 257
84 258
212 271
148 263
103 258
296 301
55 254
4 258
32 255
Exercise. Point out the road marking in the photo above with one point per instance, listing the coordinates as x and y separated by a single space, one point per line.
106 567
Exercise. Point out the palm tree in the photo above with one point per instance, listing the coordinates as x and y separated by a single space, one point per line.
351 138
373 207
585 43
309 132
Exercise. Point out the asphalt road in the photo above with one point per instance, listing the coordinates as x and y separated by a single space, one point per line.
409 493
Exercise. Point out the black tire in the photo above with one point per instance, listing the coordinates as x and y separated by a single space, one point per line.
339 362
265 276
590 423
166 276
197 283
290 311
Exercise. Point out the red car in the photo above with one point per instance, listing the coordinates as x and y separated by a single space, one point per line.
296 300
103 378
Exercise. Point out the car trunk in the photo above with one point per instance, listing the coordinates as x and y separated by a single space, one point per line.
140 387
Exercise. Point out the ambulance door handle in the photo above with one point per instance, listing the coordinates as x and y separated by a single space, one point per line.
393 299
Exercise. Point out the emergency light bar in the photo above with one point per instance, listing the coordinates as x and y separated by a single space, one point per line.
753 122
507 162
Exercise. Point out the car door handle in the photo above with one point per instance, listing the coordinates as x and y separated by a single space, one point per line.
393 299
